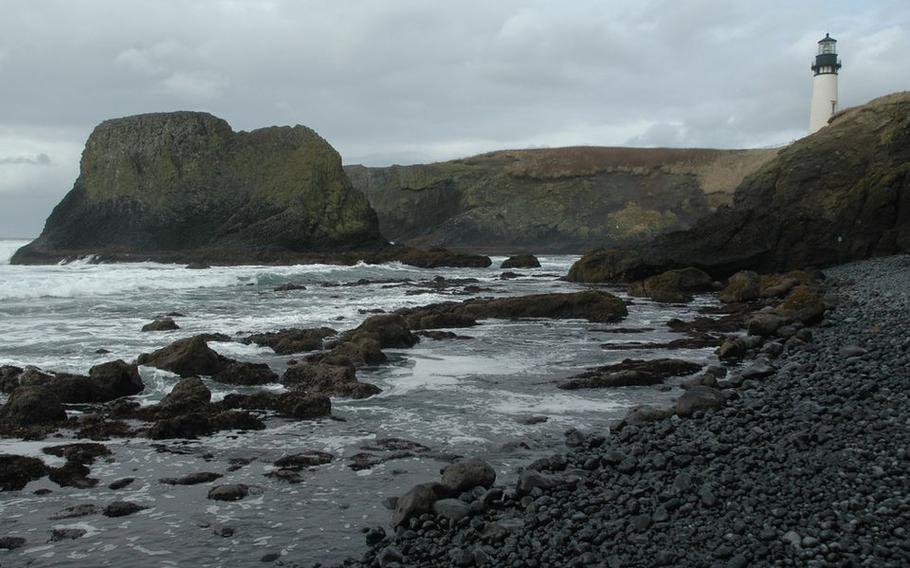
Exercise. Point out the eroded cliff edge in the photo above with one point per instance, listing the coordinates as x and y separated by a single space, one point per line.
180 186
553 200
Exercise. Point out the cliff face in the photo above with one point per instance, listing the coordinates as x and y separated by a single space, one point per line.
175 185
838 195
553 200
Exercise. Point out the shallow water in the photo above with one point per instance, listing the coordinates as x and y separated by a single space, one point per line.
457 397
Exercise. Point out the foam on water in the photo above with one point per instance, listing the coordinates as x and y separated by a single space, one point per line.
457 397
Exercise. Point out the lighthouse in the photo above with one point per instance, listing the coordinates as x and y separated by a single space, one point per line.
824 84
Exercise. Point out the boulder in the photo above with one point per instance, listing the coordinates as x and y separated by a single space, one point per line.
188 395
244 373
17 471
803 305
644 414
115 379
467 474
530 480
356 351
230 492
294 340
186 357
417 501
332 380
122 509
183 426
521 261
303 459
390 330
161 324
673 286
764 324
32 406
435 320
9 377
438 257
699 399
452 509
744 286
294 404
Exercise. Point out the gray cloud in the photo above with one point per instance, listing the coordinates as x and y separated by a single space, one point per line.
410 80
36 160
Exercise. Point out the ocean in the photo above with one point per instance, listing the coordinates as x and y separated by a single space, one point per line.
459 397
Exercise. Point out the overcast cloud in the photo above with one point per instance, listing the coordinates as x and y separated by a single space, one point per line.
406 81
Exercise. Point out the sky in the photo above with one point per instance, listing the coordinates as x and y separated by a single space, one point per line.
412 81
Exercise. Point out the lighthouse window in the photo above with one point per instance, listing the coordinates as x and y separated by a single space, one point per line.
826 47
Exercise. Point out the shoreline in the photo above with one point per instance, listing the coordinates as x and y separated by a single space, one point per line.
805 465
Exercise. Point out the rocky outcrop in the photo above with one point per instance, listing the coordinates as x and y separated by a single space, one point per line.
184 186
592 305
552 200
838 195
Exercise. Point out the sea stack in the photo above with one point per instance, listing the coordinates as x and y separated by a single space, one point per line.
183 186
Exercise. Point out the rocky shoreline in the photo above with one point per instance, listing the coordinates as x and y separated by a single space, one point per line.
797 458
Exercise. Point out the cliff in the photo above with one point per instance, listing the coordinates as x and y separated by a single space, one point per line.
182 186
838 195
553 200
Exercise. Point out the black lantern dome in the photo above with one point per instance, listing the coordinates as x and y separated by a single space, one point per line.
826 61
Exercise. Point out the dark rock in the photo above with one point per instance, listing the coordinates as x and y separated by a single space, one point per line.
186 357
673 286
803 305
122 509
192 478
531 420
17 471
530 480
452 509
744 286
307 458
236 420
630 372
521 261
11 542
188 395
437 335
467 474
31 406
764 324
289 287
294 340
644 414
328 379
66 534
121 483
232 492
186 426
243 373
417 501
698 399
161 324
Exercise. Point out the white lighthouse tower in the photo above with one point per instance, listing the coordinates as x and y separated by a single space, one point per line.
824 84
